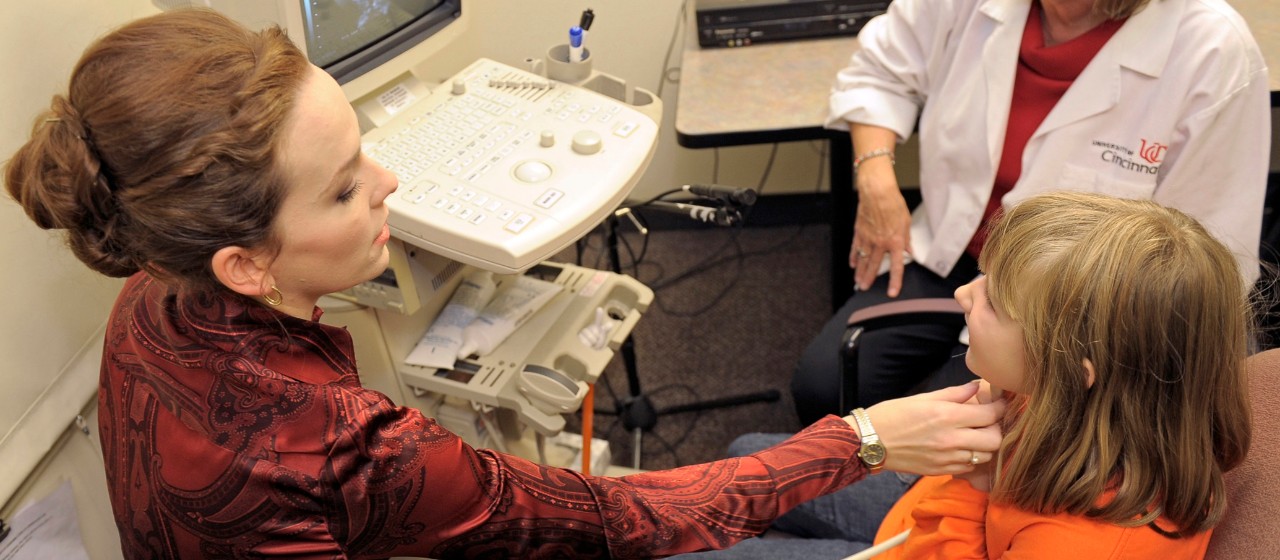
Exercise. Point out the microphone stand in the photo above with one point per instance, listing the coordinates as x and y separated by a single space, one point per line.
637 412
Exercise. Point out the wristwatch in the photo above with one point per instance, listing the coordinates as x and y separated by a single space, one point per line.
872 452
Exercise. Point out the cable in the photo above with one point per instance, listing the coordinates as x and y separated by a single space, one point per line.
715 164
617 403
764 178
693 422
671 46
660 196
768 168
716 299
644 246
635 264
822 166
660 283
711 264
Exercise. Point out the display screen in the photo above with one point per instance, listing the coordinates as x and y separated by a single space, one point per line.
340 29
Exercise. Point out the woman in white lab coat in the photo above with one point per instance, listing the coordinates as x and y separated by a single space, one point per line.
1159 99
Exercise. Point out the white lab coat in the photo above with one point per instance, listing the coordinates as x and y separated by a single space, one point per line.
1182 83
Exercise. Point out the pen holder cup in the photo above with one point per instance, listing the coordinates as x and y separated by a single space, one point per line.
560 68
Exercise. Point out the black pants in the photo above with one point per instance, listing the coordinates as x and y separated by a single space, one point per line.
893 361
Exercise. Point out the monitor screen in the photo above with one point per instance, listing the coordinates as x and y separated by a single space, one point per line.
347 37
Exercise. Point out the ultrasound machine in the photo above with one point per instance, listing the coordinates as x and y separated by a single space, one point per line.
500 168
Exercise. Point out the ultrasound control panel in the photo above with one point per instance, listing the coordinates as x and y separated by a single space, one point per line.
502 168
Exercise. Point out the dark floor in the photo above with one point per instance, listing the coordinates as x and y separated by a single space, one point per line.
737 325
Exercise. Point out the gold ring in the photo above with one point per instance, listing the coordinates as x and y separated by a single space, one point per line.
973 458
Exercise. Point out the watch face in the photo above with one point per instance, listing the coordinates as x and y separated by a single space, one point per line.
872 453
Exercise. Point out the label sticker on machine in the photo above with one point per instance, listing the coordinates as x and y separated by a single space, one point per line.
592 286
396 99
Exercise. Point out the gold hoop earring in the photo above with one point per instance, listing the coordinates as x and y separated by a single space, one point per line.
274 301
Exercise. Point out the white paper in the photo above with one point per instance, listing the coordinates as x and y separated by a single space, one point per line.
46 529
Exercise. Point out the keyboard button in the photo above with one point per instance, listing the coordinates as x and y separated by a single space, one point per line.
517 225
549 198
625 129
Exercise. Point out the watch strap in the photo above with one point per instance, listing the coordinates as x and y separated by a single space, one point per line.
872 451
865 429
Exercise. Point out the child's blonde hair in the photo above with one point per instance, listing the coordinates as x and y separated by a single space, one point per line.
1159 308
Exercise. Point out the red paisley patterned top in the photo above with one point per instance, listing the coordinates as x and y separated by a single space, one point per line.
234 431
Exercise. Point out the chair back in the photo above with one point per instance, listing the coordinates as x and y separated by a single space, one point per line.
1251 527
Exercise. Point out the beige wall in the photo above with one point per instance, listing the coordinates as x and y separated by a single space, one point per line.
52 305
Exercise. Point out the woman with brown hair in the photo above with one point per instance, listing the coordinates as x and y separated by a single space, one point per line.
223 175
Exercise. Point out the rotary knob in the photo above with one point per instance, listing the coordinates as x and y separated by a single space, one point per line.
587 142
459 87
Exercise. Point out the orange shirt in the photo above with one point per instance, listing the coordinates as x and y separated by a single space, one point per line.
949 519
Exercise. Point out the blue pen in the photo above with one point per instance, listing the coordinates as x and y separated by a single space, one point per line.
575 44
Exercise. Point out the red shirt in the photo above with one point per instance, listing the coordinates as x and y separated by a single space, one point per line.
1043 75
232 430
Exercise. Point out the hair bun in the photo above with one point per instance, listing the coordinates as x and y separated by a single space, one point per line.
57 179
64 114
99 249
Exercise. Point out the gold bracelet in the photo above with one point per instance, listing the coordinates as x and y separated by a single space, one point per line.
857 162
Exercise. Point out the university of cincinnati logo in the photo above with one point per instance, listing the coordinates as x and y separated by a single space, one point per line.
1146 160
1153 153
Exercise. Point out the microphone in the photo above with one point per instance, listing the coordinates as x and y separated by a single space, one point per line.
734 195
706 214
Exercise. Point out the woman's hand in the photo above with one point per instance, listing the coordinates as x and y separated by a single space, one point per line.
883 224
980 477
938 432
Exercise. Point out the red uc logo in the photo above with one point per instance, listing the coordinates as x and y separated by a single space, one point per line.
1152 153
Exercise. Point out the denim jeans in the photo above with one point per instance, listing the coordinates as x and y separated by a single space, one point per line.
830 527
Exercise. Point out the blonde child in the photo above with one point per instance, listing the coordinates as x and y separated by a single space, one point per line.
1119 329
